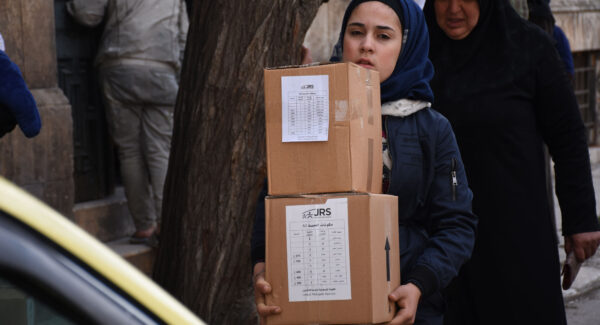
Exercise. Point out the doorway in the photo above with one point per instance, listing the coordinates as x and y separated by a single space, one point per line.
93 153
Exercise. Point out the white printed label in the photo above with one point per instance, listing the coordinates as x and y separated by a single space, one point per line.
318 251
305 108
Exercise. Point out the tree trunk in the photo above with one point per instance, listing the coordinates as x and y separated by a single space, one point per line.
217 164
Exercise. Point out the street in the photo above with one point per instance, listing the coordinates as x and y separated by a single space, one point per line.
582 302
584 310
583 306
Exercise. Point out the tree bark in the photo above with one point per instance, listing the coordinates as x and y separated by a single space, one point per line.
217 164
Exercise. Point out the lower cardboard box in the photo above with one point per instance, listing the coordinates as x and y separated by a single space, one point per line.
332 258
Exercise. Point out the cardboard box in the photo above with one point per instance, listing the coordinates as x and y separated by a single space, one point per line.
323 127
332 258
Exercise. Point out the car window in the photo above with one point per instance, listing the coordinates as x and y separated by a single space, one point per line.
33 266
17 307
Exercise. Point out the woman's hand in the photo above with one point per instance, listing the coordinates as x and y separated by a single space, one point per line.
407 298
306 55
584 244
261 288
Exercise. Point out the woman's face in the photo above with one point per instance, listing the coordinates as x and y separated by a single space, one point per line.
457 18
373 38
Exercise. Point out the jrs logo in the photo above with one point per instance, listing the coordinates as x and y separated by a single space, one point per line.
316 213
324 212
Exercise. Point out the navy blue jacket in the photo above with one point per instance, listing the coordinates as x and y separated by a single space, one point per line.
437 226
17 105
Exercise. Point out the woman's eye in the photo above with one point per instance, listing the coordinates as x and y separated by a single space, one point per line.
355 32
383 36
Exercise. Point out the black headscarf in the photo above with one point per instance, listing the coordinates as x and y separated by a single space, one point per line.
490 56
541 15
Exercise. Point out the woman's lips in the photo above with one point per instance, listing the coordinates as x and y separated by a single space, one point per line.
454 23
365 64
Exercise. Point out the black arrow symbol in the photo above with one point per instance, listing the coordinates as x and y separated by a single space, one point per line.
387 257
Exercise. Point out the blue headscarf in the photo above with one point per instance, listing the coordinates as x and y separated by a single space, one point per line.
413 71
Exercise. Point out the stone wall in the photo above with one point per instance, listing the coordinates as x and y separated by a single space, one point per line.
580 20
42 165
28 30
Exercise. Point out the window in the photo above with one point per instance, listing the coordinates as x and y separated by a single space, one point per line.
42 284
585 83
18 307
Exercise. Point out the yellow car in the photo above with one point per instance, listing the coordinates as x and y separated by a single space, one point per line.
52 272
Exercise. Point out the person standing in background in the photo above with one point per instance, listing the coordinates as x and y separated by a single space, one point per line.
139 60
564 50
541 15
501 84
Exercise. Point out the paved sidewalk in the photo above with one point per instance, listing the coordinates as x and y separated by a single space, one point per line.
588 278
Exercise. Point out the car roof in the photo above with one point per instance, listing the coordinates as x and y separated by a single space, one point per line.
92 252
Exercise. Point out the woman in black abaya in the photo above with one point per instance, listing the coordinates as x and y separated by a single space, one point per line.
499 81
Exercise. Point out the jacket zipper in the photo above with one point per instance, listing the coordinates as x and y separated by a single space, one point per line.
454 179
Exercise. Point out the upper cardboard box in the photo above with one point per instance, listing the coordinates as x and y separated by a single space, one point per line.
323 128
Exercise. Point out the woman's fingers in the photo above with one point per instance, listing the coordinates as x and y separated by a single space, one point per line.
261 288
265 310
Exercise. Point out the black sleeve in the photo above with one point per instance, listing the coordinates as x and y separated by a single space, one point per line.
258 232
564 133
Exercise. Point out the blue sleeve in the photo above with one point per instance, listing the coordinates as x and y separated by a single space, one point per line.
453 224
564 50
16 98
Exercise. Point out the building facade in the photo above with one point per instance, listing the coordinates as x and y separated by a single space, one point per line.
42 165
580 20
71 164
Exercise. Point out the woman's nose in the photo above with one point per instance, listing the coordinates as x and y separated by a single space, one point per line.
454 5
367 44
